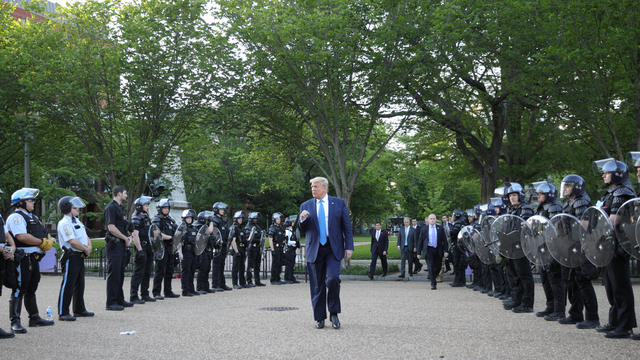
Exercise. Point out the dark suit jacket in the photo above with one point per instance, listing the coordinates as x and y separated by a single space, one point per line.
424 240
380 245
411 241
340 233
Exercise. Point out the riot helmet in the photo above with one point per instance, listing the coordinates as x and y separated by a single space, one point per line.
66 203
217 206
253 216
20 196
204 217
238 214
548 189
188 213
515 188
619 170
275 216
164 202
572 185
457 214
141 202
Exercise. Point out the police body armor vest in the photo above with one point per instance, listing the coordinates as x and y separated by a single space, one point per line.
277 234
255 239
34 227
189 237
615 197
141 222
2 238
577 206
166 224
222 226
240 235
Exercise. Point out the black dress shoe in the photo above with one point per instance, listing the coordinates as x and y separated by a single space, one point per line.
38 321
148 298
127 304
202 292
260 284
218 289
588 324
158 297
136 300
6 335
187 294
211 291
370 276
605 328
335 322
237 287
17 328
634 336
509 305
250 285
276 283
544 312
226 288
320 324
84 314
172 295
618 334
67 317
194 293
401 276
115 307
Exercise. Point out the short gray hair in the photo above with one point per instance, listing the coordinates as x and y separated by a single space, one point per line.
321 180
406 219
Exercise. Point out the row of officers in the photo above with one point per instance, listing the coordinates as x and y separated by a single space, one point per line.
511 279
25 240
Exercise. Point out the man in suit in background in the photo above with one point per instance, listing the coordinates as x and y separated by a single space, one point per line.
434 243
325 222
406 244
417 265
379 247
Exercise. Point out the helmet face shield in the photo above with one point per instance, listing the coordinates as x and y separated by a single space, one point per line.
163 203
633 159
76 202
566 189
24 194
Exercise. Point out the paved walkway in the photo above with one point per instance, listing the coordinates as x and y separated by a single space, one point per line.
380 320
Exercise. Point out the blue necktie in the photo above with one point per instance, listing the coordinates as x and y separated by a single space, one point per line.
322 224
434 241
406 235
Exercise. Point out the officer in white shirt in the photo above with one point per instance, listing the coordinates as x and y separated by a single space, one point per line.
76 246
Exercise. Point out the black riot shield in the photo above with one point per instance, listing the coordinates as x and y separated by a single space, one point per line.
566 247
155 237
505 236
465 238
177 238
535 232
202 238
598 243
484 251
625 227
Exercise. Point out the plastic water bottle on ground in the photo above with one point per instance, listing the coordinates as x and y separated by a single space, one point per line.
130 332
49 313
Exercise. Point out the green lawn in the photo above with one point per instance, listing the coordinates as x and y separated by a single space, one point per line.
363 252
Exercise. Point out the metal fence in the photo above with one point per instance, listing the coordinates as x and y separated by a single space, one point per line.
96 264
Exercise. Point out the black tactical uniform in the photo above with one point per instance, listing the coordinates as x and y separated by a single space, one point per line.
238 233
254 252
578 280
551 275
3 264
205 258
622 317
459 261
188 255
292 244
143 258
519 270
164 266
117 254
221 249
276 235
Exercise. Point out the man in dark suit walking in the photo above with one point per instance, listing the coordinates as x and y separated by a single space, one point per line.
434 243
417 265
325 222
406 244
379 247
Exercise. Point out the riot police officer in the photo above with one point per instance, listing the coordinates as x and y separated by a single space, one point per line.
164 266
292 244
221 248
117 240
186 251
204 260
552 284
254 252
459 263
239 246
578 280
76 246
276 243
8 248
519 270
143 251
622 317
470 258
32 241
